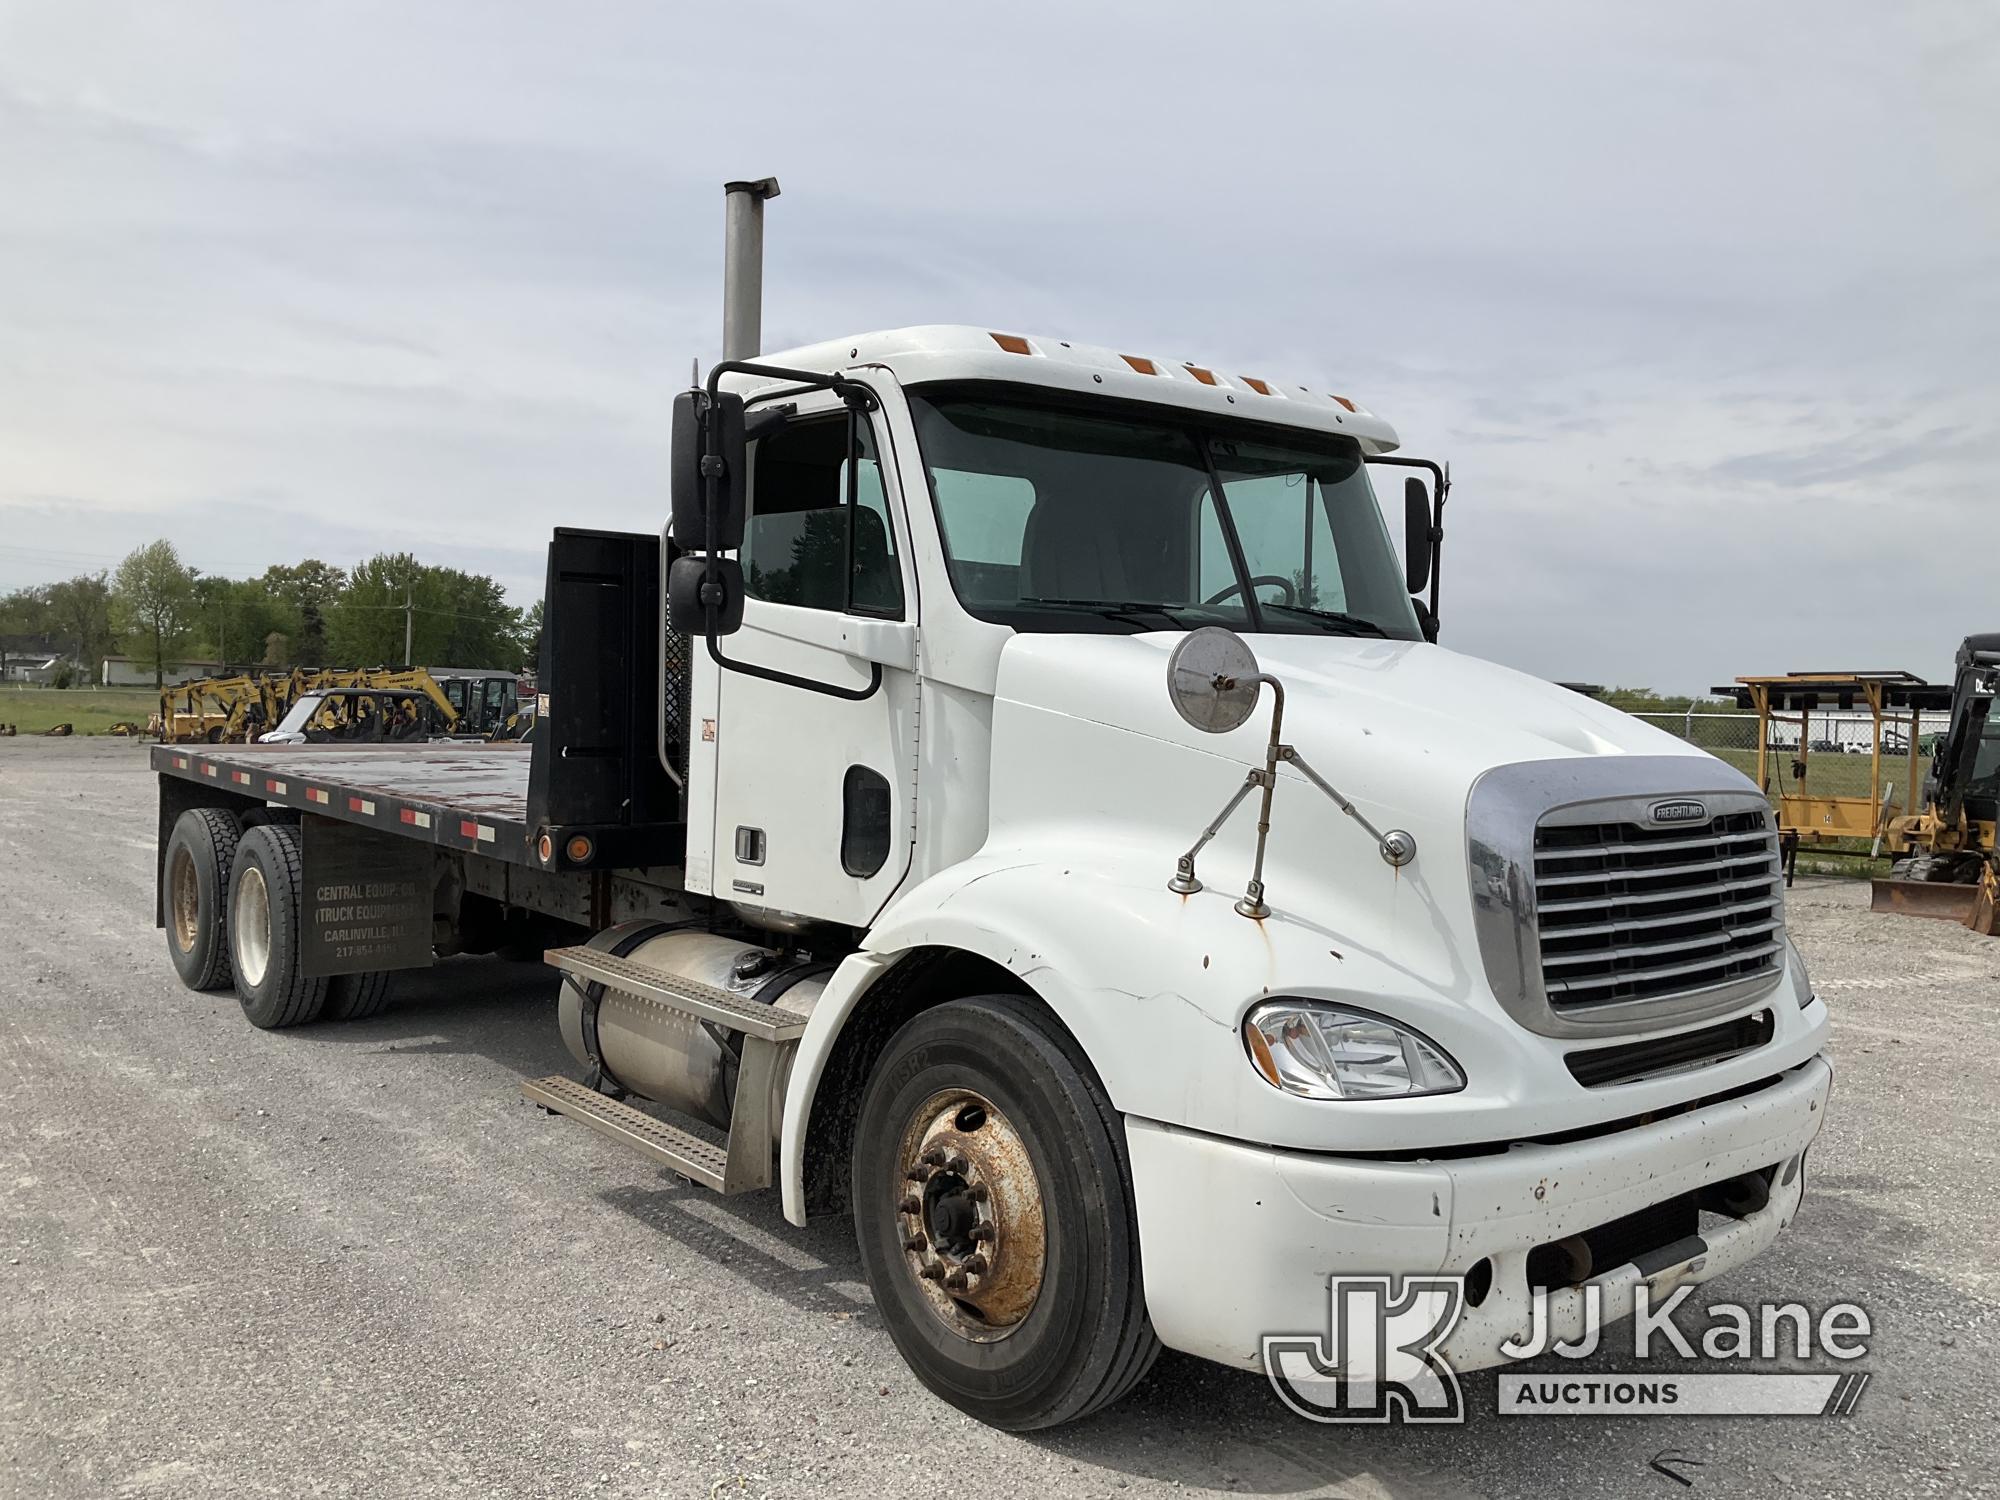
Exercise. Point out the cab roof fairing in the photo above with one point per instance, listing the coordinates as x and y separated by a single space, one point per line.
938 353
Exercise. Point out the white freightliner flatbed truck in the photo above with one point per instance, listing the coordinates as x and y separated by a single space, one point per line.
872 821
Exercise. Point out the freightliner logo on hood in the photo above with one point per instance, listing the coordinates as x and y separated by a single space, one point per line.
1683 811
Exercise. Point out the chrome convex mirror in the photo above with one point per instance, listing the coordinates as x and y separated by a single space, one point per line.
1213 681
1212 678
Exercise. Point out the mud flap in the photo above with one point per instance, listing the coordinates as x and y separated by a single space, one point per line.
365 900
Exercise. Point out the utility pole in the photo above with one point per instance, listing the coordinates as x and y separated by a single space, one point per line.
409 623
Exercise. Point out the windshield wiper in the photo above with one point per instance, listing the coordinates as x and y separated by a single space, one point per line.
1352 624
1115 609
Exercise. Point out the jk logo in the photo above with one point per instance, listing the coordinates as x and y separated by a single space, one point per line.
1378 1360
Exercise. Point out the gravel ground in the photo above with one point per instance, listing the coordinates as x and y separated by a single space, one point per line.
351 1260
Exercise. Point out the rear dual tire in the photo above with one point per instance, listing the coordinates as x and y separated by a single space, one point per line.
201 852
264 930
200 897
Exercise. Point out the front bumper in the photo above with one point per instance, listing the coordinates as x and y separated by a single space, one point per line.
1239 1241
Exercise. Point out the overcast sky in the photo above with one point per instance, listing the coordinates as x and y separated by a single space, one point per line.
1701 302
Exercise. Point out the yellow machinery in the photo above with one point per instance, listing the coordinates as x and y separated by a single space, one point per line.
1894 702
217 709
1938 827
1951 847
237 709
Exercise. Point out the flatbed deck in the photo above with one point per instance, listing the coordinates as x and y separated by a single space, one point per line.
471 796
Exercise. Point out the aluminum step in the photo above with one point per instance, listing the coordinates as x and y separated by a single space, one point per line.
669 1145
731 1012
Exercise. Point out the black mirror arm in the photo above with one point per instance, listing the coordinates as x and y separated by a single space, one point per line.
858 398
1441 480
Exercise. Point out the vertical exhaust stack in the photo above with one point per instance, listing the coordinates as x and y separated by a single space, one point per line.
743 267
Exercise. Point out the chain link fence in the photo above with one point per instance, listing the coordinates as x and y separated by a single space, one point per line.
1839 748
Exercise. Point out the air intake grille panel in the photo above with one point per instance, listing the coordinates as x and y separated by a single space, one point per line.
1630 912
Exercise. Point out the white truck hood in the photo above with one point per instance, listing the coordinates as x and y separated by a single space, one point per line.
1390 721
1097 786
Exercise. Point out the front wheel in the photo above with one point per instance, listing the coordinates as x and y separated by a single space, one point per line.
994 1214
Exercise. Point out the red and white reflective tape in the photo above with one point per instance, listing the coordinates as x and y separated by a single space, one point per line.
272 784
180 762
471 830
241 778
361 805
207 769
414 818
314 794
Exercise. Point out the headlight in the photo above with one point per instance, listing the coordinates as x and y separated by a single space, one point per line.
1322 1051
1797 961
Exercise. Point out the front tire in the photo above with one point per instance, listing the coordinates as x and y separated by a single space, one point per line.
264 921
994 1214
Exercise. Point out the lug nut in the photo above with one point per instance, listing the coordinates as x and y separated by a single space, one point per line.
959 1165
931 1271
981 1234
933 1157
916 1242
956 1281
976 1192
975 1265
919 1173
911 1205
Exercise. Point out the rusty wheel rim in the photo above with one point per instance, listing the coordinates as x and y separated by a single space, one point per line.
185 900
969 1215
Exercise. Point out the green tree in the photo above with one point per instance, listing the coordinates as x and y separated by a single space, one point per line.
235 618
531 636
453 618
307 590
153 594
23 612
80 613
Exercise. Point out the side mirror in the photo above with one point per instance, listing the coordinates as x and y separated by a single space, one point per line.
692 598
699 426
1212 679
1417 555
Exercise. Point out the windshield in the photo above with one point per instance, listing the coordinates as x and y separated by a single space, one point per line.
294 721
361 717
1058 519
1982 791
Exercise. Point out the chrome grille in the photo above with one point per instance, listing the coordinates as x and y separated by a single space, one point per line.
1631 912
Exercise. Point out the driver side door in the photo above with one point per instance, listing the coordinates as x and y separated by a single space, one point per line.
815 795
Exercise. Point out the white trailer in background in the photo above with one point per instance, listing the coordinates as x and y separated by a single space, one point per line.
873 823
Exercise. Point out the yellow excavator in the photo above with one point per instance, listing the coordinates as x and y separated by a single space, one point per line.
235 710
1947 855
213 710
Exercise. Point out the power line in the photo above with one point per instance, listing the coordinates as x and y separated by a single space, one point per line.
422 609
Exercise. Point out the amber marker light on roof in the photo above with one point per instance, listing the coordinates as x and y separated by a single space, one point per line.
1261 387
1345 402
1013 343
1140 363
1206 377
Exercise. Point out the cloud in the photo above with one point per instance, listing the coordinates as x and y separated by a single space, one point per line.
1700 303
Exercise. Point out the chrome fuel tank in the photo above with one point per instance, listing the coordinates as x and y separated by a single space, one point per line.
669 1056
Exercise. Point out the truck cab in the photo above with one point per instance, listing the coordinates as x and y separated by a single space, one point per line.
1565 1026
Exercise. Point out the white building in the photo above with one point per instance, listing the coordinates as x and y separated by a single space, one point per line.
132 671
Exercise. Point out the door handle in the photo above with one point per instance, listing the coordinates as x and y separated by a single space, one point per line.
887 643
